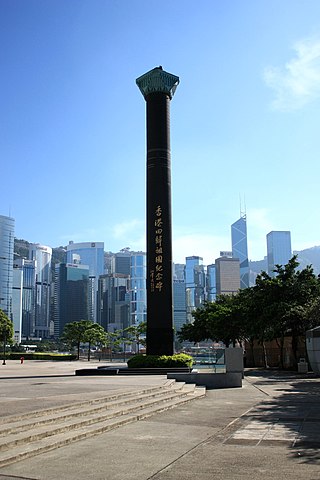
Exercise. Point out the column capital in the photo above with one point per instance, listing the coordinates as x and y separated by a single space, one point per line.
157 80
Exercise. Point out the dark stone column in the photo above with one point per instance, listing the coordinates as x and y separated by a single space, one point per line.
158 87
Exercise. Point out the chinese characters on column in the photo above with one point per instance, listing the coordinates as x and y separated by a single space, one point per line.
156 276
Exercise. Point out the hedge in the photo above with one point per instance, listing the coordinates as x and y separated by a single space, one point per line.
160 361
56 357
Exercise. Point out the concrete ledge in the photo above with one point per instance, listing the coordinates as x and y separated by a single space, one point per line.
210 380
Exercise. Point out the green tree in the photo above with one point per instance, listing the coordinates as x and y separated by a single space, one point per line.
75 333
285 304
95 333
136 333
217 321
6 332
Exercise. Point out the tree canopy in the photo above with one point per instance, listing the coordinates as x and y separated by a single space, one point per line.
284 304
6 328
82 332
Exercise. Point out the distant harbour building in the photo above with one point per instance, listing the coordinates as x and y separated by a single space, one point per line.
28 269
240 248
71 295
91 254
195 284
122 262
42 255
278 249
6 263
17 289
179 305
227 275
138 290
211 283
114 301
179 271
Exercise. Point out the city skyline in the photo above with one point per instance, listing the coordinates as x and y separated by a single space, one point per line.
244 120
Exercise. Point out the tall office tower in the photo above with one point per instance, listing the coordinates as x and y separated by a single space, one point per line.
114 301
278 249
71 295
17 288
138 292
6 263
195 285
91 254
179 304
227 275
42 256
179 271
122 262
28 268
240 248
157 88
211 283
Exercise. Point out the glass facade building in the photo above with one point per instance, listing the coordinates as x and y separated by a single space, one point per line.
42 255
240 248
195 284
179 304
6 263
17 288
114 302
71 295
278 249
138 290
28 268
92 255
211 283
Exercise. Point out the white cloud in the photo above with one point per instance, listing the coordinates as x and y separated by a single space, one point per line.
298 81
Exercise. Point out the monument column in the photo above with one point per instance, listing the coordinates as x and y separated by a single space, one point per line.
158 87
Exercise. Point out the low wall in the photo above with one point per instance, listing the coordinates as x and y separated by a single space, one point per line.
209 380
313 348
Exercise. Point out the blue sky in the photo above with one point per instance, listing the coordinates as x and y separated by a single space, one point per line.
244 120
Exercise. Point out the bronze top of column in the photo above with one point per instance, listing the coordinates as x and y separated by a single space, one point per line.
157 80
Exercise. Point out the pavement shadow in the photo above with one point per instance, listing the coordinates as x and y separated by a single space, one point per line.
294 404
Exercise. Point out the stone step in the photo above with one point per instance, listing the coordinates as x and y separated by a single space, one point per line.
106 405
94 401
55 424
18 445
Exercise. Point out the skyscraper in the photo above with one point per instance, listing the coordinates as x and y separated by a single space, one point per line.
42 256
278 249
138 292
71 295
122 262
6 263
17 289
28 268
240 248
211 283
195 284
91 254
227 275
179 304
114 301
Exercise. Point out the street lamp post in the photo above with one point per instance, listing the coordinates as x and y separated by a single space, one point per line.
4 347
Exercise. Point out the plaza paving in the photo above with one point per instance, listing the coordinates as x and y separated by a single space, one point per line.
268 429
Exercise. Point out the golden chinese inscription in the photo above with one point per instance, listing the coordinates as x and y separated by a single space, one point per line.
156 276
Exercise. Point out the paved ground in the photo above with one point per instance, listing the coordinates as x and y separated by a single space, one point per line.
269 429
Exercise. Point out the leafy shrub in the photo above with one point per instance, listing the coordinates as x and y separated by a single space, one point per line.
41 356
160 361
